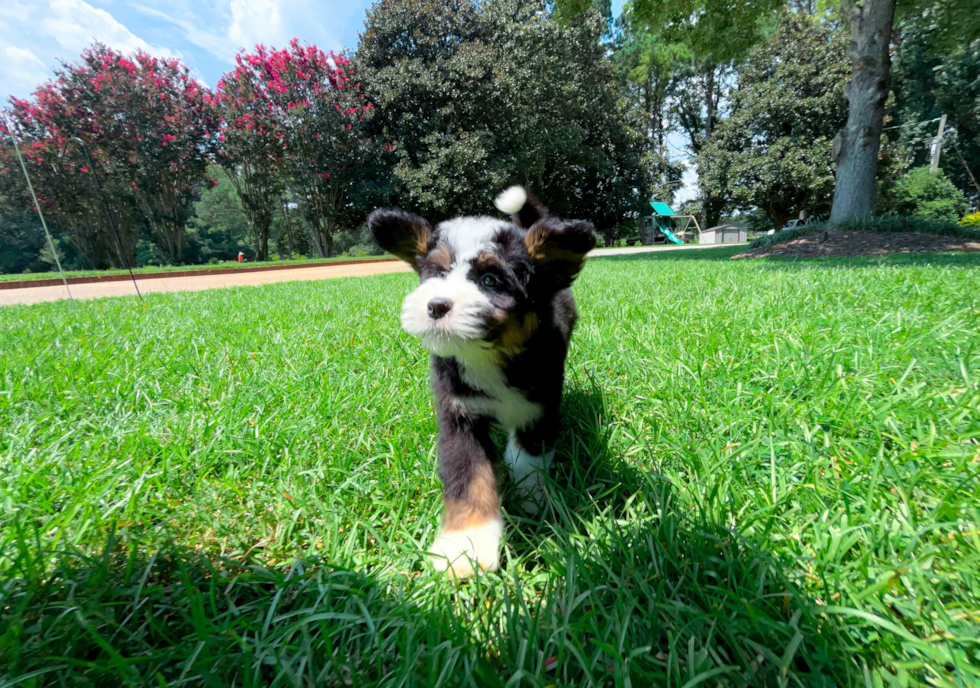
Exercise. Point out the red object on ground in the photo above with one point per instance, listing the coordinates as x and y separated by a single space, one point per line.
241 257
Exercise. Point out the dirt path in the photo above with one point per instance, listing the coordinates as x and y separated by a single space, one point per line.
198 283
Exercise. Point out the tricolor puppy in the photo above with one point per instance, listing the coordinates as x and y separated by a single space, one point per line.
495 309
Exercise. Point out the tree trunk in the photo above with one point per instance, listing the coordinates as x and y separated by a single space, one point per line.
871 29
778 217
709 101
711 209
260 235
331 226
289 227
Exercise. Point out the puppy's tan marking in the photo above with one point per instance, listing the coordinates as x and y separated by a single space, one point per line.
480 506
518 331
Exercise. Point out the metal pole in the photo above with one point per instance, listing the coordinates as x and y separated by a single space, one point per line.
37 206
105 202
937 145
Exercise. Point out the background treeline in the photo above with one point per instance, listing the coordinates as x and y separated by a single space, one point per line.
445 102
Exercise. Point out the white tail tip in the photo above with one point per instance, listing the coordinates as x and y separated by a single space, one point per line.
512 200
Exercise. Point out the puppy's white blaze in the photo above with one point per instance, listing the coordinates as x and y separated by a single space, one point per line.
465 321
529 472
467 236
511 200
466 552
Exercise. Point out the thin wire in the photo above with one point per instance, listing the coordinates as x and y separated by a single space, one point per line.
112 222
37 206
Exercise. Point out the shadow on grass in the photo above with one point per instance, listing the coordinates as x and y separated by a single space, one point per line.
177 617
686 596
621 585
725 253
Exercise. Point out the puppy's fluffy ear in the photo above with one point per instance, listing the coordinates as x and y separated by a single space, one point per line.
523 207
403 234
557 249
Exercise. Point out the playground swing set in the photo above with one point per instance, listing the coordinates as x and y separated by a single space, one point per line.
666 226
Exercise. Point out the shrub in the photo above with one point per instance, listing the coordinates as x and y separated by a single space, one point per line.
971 220
931 195
905 223
886 224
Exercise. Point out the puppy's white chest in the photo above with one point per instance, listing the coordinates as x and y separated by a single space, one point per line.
507 405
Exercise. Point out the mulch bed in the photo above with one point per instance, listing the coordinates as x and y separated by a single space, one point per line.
862 244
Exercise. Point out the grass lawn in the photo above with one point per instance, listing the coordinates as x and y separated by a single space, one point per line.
768 476
176 268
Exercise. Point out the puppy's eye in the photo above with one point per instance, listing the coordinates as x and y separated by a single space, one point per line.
490 281
442 273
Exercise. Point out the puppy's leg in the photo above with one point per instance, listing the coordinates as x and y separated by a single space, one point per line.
469 540
528 456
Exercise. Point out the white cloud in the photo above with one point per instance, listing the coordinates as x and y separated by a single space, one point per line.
206 34
36 37
74 24
217 44
23 69
256 21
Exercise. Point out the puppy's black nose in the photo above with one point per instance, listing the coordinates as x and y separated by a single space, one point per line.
439 307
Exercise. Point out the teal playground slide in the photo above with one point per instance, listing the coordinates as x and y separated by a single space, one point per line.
662 212
670 236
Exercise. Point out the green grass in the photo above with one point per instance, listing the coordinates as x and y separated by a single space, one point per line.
767 477
176 268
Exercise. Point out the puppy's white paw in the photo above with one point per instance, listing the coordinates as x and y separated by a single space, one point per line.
529 473
465 552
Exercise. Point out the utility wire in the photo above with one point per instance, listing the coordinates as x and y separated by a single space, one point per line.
108 211
37 206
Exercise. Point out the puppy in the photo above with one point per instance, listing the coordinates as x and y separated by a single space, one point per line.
495 309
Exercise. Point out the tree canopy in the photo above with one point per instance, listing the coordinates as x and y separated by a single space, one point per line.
481 95
773 151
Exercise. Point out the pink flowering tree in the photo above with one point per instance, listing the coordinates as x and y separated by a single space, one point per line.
251 146
64 186
320 117
148 126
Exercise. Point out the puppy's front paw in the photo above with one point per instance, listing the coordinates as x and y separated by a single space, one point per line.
468 551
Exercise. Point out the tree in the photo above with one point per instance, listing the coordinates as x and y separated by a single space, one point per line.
148 128
320 117
870 25
773 150
926 85
716 34
481 95
251 150
65 189
21 241
219 226
930 195
650 68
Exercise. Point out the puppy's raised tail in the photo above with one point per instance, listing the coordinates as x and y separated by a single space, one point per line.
521 205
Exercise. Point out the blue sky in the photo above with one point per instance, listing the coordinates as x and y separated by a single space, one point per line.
205 34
